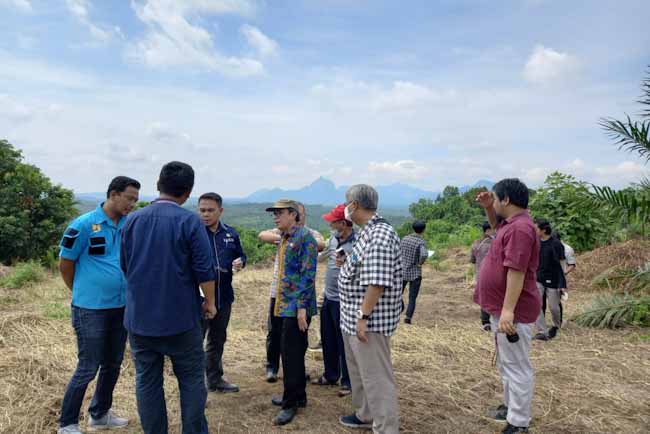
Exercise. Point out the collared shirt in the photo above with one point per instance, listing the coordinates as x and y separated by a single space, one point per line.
226 247
414 253
376 259
298 254
332 274
92 241
480 250
165 254
274 282
516 247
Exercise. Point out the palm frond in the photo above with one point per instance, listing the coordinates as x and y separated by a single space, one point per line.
645 99
612 311
631 136
634 204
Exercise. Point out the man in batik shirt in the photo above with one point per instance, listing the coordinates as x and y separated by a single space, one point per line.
295 303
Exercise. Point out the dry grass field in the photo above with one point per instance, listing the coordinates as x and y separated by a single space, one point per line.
587 381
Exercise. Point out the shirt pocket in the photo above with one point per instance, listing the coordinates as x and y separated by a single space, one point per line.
97 245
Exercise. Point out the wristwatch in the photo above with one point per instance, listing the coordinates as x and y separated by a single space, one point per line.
361 315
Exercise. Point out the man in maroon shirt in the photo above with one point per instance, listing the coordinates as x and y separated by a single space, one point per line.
506 289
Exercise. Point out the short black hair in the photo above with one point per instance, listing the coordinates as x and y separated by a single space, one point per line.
212 196
176 179
120 184
544 225
419 226
486 226
513 189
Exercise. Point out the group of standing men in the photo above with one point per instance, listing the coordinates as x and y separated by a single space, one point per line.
162 277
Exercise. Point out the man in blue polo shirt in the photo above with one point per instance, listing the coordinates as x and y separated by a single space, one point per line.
165 255
228 255
90 267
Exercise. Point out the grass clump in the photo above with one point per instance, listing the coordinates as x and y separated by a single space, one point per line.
614 310
23 274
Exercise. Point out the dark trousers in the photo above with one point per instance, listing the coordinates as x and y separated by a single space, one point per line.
485 317
293 346
188 361
216 331
414 290
332 339
101 338
273 339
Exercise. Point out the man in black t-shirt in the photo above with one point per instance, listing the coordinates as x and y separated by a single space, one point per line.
549 279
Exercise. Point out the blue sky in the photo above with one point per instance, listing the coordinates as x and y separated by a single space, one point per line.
268 93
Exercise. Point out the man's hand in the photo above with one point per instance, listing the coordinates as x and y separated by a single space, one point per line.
506 323
340 260
302 320
362 330
237 264
485 199
209 310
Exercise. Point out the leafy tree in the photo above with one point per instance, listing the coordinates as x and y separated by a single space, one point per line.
560 201
33 212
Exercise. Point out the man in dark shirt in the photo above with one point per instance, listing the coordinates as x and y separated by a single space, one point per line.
550 278
506 289
228 255
165 255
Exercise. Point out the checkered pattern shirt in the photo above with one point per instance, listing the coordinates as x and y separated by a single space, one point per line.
414 253
376 259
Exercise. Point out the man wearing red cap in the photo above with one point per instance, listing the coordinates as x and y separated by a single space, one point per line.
338 247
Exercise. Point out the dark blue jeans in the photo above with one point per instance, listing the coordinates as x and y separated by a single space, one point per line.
414 290
101 339
188 361
332 339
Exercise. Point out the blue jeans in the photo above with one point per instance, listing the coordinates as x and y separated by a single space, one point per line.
101 339
188 361
414 290
332 339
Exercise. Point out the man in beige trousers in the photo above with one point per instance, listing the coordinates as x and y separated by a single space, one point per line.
370 285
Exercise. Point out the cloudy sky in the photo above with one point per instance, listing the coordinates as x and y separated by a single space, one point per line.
265 93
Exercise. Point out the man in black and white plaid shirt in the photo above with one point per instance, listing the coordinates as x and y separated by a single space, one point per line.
414 253
370 285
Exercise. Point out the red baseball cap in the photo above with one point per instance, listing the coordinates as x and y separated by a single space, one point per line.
337 214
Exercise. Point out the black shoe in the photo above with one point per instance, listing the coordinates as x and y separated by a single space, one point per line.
224 387
511 429
322 381
271 376
541 337
487 327
285 416
552 332
352 421
277 400
407 320
499 414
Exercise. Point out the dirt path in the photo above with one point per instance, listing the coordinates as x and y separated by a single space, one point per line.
588 381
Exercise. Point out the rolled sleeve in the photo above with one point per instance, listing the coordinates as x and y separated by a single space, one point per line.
518 248
74 240
378 265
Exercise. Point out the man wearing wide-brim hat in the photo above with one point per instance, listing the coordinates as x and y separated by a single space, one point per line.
295 303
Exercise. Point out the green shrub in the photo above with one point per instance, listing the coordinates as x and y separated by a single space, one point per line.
613 310
24 274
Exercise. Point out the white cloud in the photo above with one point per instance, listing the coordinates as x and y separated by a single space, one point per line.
264 45
15 111
19 70
163 133
80 9
173 41
546 65
21 5
398 170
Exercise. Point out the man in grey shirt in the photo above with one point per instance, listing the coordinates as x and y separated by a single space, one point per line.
339 245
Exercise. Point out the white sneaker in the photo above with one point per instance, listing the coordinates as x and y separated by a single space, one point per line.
109 421
69 429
